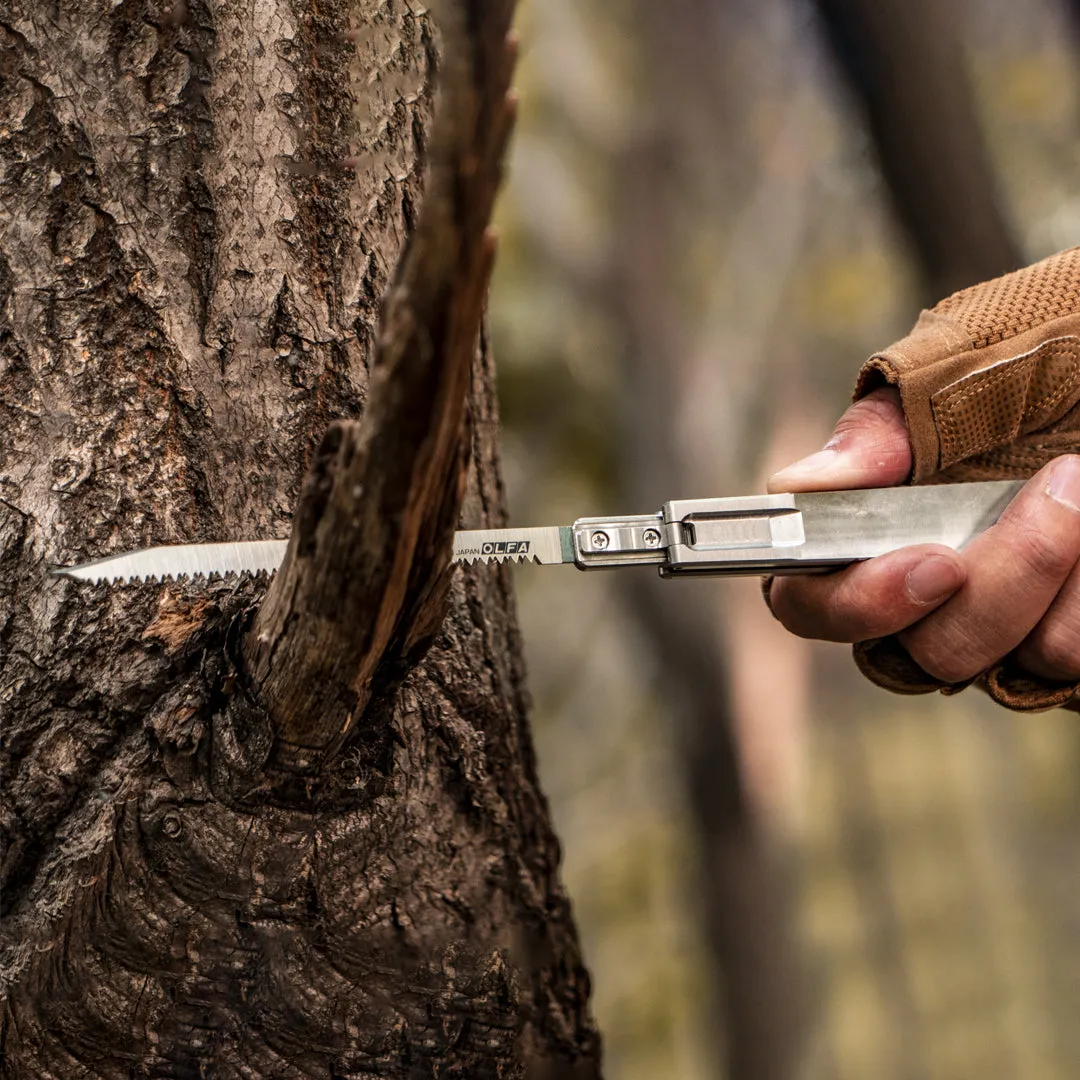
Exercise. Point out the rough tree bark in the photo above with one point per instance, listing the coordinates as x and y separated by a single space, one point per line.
289 830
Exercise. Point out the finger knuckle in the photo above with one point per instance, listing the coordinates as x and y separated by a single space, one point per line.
1057 645
1041 555
824 608
882 405
865 613
791 607
879 429
948 660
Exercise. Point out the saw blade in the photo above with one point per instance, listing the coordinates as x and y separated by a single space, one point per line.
550 545
182 561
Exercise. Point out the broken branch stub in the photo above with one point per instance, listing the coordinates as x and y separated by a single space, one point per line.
364 582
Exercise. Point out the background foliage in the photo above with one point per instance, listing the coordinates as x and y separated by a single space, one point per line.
927 850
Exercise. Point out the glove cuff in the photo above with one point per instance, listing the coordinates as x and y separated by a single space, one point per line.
885 662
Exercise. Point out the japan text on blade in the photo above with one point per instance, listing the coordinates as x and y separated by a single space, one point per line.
759 534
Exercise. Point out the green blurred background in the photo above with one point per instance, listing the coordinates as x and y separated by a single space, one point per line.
715 210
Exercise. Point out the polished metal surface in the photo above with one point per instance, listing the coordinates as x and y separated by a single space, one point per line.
626 541
756 534
803 533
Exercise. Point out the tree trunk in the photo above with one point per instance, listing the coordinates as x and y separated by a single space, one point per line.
288 830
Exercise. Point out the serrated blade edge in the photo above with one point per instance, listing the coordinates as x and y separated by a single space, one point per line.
181 561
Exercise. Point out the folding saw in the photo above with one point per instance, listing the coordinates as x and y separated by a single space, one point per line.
758 534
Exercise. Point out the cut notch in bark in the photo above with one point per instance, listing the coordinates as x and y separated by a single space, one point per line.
364 583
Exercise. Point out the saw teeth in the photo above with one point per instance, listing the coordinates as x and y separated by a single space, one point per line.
194 575
159 579
471 560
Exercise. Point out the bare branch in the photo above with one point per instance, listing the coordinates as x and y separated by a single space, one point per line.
364 583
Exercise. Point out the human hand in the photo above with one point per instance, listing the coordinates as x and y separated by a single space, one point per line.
1014 589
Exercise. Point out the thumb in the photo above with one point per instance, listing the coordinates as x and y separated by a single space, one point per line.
869 447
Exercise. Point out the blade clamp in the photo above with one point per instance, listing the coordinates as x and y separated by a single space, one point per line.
641 539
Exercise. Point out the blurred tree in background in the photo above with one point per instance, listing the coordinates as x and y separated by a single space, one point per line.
716 210
905 64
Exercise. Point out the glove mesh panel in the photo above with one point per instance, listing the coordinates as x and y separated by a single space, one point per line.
1007 306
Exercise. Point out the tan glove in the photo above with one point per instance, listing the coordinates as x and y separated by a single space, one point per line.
989 380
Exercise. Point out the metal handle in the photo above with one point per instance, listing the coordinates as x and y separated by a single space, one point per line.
791 534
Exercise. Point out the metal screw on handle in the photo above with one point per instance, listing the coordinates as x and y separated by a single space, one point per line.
619 541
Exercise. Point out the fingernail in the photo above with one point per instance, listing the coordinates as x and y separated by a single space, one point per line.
818 464
933 579
1063 485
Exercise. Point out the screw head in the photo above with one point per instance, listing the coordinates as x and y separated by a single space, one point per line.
600 540
650 537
